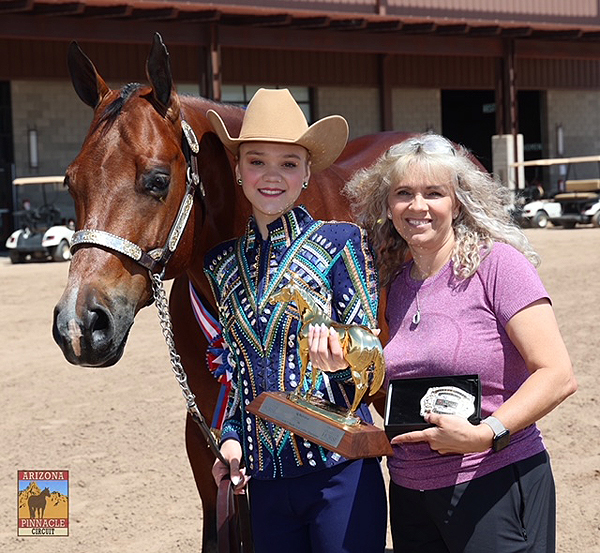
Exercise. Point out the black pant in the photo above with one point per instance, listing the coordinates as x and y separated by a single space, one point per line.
511 510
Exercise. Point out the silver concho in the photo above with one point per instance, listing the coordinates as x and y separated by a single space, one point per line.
448 400
190 136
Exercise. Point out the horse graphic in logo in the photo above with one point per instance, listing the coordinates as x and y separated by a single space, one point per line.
37 504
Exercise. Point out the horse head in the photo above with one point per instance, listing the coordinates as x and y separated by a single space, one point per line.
285 294
134 183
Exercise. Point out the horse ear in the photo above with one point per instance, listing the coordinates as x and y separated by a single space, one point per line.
88 84
158 70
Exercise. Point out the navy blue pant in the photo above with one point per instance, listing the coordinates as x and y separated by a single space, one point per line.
511 510
338 510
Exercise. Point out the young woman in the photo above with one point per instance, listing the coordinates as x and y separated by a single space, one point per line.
469 301
303 498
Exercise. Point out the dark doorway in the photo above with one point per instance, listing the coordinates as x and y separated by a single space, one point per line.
6 163
530 126
469 118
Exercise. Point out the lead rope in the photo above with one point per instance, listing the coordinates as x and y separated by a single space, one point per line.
160 299
234 533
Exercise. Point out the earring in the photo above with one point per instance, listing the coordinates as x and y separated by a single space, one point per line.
389 214
305 185
239 181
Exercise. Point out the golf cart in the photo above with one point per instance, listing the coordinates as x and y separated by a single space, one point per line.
578 203
43 232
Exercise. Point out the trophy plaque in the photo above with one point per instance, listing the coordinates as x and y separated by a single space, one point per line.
313 418
410 399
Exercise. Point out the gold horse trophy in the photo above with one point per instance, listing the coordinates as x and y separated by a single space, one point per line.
332 426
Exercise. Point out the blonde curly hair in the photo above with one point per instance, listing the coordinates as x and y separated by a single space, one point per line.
484 216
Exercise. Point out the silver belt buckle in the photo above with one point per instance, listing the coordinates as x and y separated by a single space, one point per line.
448 400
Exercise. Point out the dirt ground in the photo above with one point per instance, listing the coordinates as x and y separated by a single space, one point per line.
120 431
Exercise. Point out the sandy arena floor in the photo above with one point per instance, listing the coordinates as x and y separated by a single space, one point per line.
120 431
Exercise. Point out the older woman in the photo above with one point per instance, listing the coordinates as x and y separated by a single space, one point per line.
464 298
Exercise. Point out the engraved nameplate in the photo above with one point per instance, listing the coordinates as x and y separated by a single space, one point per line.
302 422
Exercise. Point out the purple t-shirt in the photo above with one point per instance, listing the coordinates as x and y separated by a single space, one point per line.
462 331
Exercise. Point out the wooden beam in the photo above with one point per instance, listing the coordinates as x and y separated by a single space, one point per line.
557 34
485 30
310 22
384 26
201 16
348 24
143 14
556 161
419 27
385 93
68 8
279 19
512 32
459 29
12 6
119 10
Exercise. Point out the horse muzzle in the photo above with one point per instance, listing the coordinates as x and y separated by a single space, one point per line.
91 333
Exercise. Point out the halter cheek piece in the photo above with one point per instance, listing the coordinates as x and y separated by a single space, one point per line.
155 260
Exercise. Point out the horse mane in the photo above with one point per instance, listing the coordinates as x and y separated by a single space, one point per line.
231 114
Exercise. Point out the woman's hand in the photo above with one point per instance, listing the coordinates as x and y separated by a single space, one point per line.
451 434
325 349
232 452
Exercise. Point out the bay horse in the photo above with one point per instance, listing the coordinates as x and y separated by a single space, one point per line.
128 183
362 349
37 504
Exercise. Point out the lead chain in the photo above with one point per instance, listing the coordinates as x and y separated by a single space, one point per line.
160 299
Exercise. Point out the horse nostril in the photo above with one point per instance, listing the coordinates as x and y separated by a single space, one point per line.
99 321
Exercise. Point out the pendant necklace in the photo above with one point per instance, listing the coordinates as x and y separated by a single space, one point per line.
417 316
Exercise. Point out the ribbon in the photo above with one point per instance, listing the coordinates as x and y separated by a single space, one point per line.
217 354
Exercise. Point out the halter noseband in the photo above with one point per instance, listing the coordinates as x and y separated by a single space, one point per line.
155 259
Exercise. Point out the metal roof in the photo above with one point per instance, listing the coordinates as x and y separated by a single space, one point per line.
544 19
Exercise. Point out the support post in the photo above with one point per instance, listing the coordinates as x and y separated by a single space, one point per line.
385 93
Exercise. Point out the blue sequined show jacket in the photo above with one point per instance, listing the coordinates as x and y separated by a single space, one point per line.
332 259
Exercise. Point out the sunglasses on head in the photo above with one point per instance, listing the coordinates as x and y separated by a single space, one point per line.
428 145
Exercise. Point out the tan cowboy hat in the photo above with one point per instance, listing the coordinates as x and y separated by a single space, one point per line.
274 116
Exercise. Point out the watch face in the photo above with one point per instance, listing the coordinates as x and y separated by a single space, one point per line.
501 440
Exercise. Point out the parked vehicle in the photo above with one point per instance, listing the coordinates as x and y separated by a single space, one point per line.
580 203
43 232
578 207
539 213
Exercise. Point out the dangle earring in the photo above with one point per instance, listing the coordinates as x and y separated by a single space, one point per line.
239 181
304 185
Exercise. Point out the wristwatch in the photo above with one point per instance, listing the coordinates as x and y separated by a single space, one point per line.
501 433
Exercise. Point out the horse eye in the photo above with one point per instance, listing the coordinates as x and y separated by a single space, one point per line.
157 184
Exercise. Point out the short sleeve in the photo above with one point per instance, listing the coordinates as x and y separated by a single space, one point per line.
510 280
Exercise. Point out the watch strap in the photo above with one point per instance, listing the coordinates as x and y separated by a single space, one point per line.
495 424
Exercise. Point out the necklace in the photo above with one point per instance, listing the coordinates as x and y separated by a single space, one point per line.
417 316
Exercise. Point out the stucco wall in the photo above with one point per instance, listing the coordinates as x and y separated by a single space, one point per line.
61 120
579 114
360 107
417 109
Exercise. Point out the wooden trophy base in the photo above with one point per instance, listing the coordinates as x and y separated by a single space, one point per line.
351 441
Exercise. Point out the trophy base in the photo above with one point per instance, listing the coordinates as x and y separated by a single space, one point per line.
353 441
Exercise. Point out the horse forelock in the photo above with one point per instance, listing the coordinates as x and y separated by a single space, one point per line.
112 111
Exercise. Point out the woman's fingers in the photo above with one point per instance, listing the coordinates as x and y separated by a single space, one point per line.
325 348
